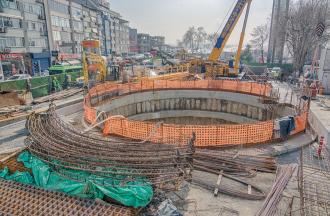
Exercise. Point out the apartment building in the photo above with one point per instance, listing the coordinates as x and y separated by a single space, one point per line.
23 37
144 42
123 37
60 29
119 30
133 41
34 33
105 36
157 42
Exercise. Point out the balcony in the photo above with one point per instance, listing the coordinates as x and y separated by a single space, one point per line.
41 17
43 33
3 29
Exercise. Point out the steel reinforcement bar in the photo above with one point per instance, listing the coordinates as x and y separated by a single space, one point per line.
63 147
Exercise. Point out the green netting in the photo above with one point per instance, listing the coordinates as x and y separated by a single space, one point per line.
39 86
14 85
137 193
75 75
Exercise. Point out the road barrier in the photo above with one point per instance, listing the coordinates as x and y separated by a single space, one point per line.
206 135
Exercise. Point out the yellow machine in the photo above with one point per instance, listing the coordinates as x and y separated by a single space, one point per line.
94 65
213 67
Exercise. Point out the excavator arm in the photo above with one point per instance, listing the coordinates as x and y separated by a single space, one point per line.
228 29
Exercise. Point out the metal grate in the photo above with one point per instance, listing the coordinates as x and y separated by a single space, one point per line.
315 182
18 199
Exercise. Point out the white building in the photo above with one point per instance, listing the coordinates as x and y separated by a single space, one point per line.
119 30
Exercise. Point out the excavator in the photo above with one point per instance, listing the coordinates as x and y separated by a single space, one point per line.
94 65
214 68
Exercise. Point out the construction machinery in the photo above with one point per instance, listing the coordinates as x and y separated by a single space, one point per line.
213 67
94 65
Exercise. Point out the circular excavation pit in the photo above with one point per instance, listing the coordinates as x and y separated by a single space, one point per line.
219 112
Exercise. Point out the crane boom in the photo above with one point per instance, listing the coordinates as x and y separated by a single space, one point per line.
228 29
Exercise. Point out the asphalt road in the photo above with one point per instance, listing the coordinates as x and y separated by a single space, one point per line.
12 135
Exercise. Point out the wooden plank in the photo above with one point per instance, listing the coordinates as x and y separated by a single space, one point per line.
216 190
249 189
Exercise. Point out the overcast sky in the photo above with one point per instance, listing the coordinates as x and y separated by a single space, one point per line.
171 18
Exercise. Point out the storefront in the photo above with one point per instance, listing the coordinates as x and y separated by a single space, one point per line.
39 62
11 64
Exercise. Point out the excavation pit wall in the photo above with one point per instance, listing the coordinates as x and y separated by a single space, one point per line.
123 108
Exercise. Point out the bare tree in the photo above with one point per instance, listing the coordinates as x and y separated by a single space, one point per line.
301 38
200 38
189 39
260 36
211 39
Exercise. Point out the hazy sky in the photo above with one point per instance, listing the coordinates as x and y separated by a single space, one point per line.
171 18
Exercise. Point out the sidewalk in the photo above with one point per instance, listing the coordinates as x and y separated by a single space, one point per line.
42 107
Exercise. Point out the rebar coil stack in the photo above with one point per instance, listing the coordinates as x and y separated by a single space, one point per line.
63 147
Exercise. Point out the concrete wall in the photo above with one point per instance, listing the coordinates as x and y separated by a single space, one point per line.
318 120
234 107
227 117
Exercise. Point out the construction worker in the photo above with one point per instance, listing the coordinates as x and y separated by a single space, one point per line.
231 62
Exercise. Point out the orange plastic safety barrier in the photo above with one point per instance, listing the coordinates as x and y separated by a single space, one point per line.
206 135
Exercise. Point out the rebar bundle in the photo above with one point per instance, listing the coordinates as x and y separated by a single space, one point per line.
283 176
234 164
64 148
20 199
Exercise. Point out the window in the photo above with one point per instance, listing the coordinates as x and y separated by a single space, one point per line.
66 37
59 7
78 38
11 42
60 22
78 26
37 42
76 13
10 22
12 4
33 26
56 36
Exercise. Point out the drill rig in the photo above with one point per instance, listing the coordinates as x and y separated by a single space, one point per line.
94 65
213 67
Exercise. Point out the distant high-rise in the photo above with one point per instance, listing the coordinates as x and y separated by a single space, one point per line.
277 32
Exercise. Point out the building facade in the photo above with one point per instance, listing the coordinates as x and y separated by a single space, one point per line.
36 33
119 31
105 36
277 33
157 42
144 42
23 37
133 40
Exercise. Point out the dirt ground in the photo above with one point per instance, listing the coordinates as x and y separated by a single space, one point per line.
201 202
10 99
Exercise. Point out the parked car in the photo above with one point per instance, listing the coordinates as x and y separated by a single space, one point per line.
19 77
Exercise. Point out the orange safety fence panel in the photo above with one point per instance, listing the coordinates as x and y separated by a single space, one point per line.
145 85
90 114
206 135
300 122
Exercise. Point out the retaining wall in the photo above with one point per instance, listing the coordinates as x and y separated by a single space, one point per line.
206 135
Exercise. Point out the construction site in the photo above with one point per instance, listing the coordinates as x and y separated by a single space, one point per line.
187 136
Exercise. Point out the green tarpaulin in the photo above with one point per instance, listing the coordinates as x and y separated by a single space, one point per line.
137 193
